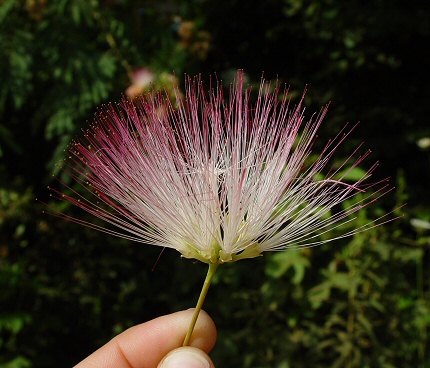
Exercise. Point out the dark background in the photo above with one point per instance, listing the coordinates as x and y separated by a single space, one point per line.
358 302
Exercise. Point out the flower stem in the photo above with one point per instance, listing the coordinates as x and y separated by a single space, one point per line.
208 280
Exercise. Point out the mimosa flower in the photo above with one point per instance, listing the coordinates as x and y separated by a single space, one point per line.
217 179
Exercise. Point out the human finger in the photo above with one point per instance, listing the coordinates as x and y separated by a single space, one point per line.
144 345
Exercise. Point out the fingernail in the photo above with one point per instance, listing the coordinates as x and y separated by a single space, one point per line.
185 359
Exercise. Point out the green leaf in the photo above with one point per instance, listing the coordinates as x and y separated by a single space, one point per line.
281 262
14 323
18 362
5 8
351 175
319 294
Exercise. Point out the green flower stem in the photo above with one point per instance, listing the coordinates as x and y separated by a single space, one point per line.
208 280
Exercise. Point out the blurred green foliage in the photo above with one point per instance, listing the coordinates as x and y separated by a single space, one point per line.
361 302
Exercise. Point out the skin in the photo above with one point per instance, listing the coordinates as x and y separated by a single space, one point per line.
148 344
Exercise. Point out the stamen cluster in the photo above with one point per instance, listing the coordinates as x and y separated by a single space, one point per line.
218 179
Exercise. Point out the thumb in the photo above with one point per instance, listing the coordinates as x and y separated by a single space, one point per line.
186 357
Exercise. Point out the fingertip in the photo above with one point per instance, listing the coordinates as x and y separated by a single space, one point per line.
187 356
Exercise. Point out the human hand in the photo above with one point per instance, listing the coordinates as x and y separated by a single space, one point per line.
157 343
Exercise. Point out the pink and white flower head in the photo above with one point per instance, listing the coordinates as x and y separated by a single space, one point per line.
218 179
